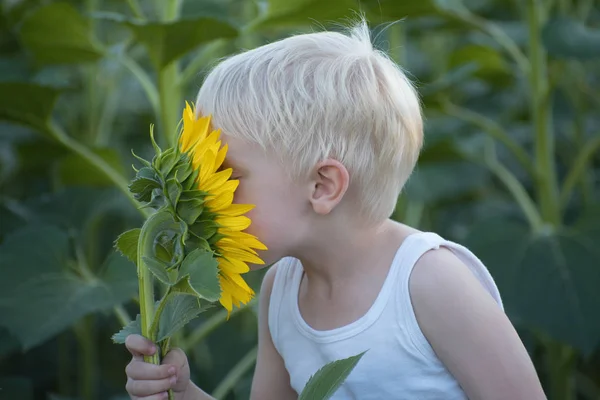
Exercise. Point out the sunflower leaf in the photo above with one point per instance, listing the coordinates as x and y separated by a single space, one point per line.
59 34
43 297
199 274
127 243
324 383
180 309
132 328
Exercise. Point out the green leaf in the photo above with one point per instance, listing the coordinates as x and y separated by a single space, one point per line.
199 274
58 34
73 170
569 38
168 41
27 104
179 310
16 387
40 295
394 10
132 328
548 281
323 384
282 13
127 244
158 269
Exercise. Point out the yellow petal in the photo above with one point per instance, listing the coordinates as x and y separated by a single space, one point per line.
233 252
240 282
243 294
225 301
229 186
237 209
234 223
243 238
233 266
227 242
217 180
220 202
221 156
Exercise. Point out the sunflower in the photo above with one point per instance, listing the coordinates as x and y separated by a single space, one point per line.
234 248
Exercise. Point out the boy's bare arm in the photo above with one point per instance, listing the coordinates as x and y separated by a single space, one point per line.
271 379
469 332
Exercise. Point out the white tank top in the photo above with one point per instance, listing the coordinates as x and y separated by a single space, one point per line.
399 363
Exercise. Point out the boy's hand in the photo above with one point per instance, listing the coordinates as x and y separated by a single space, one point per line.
146 381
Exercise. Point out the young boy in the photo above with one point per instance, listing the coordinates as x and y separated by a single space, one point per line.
323 132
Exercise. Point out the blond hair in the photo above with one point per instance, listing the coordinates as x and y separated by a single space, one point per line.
323 95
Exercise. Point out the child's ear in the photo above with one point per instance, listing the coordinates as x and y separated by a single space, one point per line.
328 185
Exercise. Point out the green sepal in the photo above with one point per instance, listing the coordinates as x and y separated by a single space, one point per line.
215 238
158 200
174 190
199 274
157 149
127 244
158 269
143 184
183 171
204 229
170 245
195 242
191 181
168 160
144 162
190 210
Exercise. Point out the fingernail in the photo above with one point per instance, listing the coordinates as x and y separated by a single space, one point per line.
152 349
173 380
172 371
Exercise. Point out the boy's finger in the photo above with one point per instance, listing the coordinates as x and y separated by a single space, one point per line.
147 388
140 370
158 396
139 346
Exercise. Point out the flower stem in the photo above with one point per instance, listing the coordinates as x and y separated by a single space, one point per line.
547 188
146 283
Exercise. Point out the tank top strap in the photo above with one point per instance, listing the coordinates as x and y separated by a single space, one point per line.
284 279
418 244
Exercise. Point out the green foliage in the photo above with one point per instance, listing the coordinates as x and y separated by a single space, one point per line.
40 296
167 42
323 384
132 328
28 104
569 260
510 99
127 244
57 33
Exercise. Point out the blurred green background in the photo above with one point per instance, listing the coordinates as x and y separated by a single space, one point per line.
510 168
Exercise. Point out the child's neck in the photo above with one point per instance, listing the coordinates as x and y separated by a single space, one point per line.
332 257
